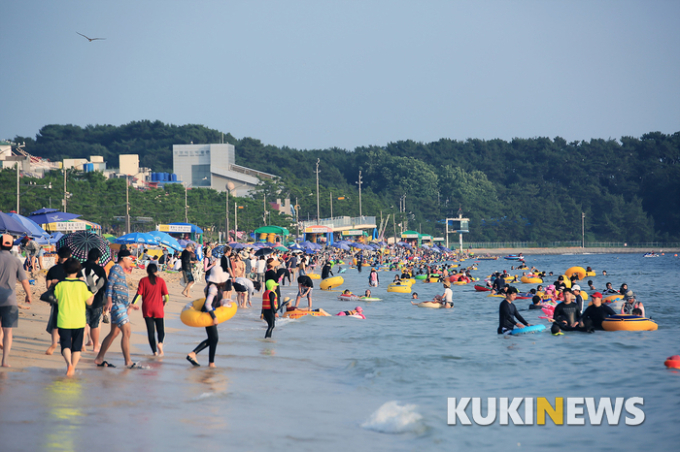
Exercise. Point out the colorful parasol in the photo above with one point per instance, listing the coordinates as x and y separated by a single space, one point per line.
80 243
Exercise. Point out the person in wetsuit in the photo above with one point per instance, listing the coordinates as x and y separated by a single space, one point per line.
326 271
507 313
567 314
594 314
269 306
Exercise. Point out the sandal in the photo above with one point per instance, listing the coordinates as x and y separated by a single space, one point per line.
136 366
105 364
193 361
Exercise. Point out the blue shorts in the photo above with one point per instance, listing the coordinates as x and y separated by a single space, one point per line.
119 315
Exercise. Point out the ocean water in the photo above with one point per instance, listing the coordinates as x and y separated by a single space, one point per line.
338 383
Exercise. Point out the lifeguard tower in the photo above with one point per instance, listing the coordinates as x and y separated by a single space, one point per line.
459 225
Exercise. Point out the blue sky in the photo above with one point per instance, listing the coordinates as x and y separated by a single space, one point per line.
320 74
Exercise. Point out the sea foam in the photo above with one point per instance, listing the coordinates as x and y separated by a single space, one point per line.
394 418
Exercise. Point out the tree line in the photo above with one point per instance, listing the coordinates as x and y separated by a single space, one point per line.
520 190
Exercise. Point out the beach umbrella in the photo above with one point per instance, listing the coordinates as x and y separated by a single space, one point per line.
341 246
36 230
264 252
184 243
52 217
236 246
137 237
295 247
12 226
166 240
110 238
281 248
80 243
218 251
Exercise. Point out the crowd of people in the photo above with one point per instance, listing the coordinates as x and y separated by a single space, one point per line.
82 296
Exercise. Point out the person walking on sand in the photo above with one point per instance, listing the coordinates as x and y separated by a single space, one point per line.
154 294
118 304
55 275
73 296
218 279
11 271
187 259
95 277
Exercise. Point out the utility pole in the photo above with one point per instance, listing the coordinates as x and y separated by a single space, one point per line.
64 188
359 182
226 221
18 192
331 198
318 216
264 209
127 205
235 220
297 221
583 230
186 204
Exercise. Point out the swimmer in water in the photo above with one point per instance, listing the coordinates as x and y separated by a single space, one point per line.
414 296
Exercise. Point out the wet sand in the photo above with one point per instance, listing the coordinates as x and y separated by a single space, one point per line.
31 340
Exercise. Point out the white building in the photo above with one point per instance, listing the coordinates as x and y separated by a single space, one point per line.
213 165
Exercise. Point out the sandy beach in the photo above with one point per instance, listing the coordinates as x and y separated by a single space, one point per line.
31 340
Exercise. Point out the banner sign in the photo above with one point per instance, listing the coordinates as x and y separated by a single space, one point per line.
352 232
69 226
173 228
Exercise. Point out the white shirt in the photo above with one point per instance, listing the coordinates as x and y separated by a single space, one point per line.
261 265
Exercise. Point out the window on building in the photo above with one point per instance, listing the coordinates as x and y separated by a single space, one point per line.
200 175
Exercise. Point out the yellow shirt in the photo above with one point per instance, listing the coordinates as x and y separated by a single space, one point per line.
72 295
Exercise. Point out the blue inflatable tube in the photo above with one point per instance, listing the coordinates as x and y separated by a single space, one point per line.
527 330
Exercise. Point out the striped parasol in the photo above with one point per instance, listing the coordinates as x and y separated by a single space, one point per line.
80 243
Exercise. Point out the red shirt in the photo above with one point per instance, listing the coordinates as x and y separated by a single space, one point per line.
152 296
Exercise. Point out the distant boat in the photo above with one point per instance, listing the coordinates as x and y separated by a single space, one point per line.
651 255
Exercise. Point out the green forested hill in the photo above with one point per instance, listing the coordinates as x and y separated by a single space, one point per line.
525 189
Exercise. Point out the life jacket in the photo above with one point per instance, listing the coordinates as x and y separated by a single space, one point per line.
265 300
373 277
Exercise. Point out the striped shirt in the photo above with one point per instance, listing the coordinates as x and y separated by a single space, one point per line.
116 287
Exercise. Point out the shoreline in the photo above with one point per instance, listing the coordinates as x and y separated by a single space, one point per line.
568 250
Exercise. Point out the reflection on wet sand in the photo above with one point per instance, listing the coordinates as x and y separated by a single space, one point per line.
208 384
63 401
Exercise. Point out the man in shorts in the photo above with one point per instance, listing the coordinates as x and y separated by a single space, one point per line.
11 271
118 304
305 287
187 264
95 277
245 289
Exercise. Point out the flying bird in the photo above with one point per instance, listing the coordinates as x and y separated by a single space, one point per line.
91 39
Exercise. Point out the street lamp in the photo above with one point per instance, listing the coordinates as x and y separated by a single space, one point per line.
359 182
230 187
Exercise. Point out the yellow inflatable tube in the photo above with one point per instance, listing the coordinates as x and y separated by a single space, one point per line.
399 289
591 274
580 271
296 314
531 280
193 316
611 298
314 275
330 283
429 304
622 322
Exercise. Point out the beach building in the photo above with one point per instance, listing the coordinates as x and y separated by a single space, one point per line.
214 166
340 228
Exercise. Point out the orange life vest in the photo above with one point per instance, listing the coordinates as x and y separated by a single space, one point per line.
265 300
